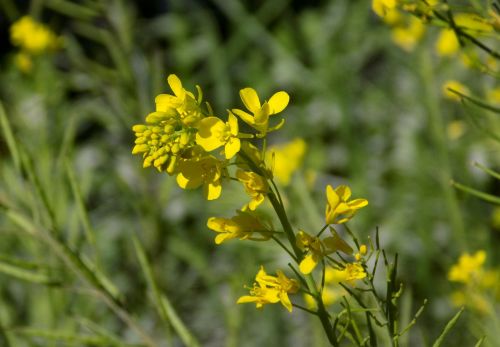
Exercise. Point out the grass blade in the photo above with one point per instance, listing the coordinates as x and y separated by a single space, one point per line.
165 309
447 328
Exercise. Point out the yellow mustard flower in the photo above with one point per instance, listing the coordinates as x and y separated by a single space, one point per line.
315 249
447 43
451 85
271 289
169 132
214 133
187 107
242 226
469 267
407 37
256 187
261 112
206 171
23 62
338 208
32 36
350 273
383 7
285 159
455 129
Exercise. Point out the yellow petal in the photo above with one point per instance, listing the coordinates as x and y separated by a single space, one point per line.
212 190
206 135
247 118
233 124
176 85
308 264
285 300
278 102
232 147
188 182
344 192
357 203
250 99
331 196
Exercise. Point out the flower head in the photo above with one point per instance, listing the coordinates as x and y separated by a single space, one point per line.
242 226
205 170
32 36
169 133
255 186
270 289
339 209
451 86
214 133
447 43
407 36
315 249
261 112
469 267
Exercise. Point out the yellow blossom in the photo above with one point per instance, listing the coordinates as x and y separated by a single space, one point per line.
339 209
407 37
255 186
447 43
261 112
472 23
285 159
454 85
270 289
362 251
242 226
315 249
206 171
383 7
214 133
350 273
455 129
185 106
469 267
23 62
32 36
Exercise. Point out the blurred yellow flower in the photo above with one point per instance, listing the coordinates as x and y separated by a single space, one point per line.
255 186
469 267
339 209
285 159
261 112
23 62
241 226
455 129
407 37
472 23
382 7
448 86
214 133
447 43
270 289
32 36
206 171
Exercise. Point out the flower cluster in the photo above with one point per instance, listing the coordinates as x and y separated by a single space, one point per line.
185 138
33 38
476 282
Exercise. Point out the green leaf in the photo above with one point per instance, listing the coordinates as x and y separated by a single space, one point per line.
447 328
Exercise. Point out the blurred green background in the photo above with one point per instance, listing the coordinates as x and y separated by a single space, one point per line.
373 117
